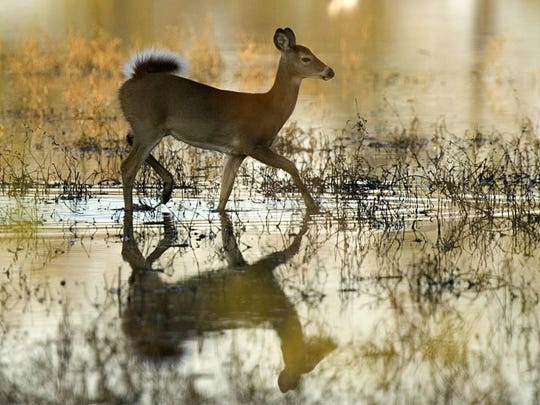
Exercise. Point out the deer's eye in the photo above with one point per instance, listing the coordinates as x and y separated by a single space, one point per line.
305 59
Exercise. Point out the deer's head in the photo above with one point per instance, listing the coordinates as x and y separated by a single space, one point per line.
300 61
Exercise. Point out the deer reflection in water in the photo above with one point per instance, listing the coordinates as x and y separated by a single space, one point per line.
160 315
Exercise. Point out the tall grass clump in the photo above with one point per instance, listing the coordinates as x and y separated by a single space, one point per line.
60 118
62 131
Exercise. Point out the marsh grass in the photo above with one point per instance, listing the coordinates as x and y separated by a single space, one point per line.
64 140
62 130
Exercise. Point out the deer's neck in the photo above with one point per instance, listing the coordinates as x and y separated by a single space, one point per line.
284 92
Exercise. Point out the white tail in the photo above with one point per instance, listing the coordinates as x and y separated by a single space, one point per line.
157 103
154 61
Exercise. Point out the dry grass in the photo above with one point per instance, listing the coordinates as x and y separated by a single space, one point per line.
62 129
60 119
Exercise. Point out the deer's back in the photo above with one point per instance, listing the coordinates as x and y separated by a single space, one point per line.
199 114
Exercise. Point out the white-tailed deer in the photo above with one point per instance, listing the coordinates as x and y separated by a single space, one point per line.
160 317
157 103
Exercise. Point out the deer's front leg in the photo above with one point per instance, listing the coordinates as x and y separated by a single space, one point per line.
229 175
271 158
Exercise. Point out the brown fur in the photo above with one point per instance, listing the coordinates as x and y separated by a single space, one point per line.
238 124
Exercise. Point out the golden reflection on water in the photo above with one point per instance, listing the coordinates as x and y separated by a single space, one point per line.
159 316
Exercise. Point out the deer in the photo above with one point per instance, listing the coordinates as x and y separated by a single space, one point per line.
156 103
160 316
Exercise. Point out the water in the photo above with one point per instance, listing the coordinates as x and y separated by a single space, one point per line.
262 298
418 283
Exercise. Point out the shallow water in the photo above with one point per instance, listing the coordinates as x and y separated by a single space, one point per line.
262 300
418 283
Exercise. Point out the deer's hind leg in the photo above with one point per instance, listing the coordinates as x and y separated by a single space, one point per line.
166 177
143 141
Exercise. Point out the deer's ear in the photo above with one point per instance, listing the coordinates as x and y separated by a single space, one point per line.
284 39
291 36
